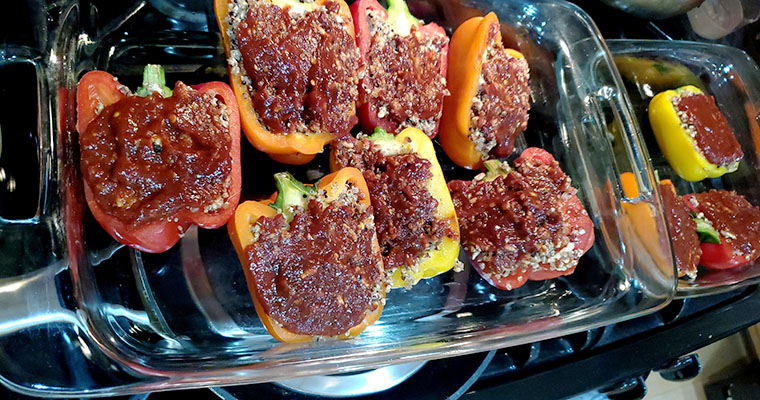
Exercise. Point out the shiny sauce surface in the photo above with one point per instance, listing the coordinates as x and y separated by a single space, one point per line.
714 137
303 68
516 220
500 108
683 231
320 274
735 218
404 84
404 207
148 158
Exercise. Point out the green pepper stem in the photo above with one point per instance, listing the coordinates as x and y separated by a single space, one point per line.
381 134
400 18
154 80
495 168
291 192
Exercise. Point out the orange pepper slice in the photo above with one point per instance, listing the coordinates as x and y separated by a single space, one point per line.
293 148
249 212
466 50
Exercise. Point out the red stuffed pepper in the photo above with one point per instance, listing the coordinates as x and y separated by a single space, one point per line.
157 161
406 60
522 224
728 227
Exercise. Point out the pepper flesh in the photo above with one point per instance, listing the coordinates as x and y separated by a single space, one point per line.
442 258
468 46
99 89
676 144
401 21
294 148
249 212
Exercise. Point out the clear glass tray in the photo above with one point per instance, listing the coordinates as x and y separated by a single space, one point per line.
184 318
731 76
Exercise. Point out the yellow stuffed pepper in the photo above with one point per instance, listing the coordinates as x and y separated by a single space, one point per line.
693 134
416 223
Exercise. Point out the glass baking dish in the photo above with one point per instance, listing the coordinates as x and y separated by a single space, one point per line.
140 322
729 75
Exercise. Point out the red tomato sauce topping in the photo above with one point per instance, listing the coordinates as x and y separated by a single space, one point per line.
404 84
500 107
518 224
683 231
709 128
321 274
148 158
737 221
301 69
404 208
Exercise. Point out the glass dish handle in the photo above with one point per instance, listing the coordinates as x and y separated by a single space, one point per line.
12 54
29 291
621 109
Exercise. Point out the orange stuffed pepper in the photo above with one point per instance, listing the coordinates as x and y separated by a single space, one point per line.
311 257
490 95
295 70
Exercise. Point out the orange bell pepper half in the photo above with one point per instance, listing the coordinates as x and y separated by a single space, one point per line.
466 53
293 148
249 212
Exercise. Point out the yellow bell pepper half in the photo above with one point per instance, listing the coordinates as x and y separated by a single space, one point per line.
678 147
442 258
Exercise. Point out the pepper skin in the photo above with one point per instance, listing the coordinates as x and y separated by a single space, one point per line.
442 259
246 215
98 88
678 147
293 148
468 45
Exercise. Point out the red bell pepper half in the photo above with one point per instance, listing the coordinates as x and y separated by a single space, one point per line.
401 22
97 90
717 252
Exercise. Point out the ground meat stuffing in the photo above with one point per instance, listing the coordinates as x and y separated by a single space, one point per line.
321 274
149 158
737 221
404 208
500 106
404 85
683 231
302 68
516 224
709 128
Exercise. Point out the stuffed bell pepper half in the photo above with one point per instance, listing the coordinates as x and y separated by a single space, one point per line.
718 229
156 161
295 68
693 134
524 223
414 216
311 258
490 95
728 227
405 79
